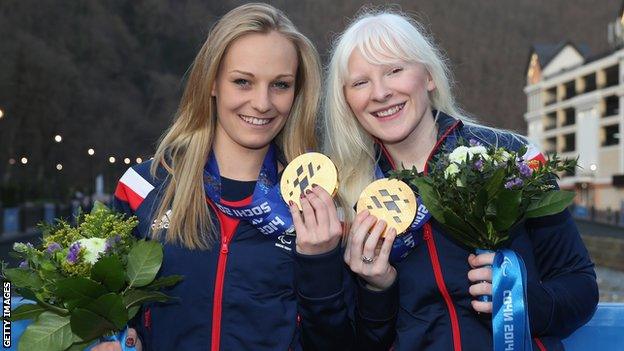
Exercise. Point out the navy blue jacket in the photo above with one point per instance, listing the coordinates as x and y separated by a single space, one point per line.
433 310
248 292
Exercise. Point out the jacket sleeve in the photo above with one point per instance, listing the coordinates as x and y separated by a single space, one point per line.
376 316
566 296
322 293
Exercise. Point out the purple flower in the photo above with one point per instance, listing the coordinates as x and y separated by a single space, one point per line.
74 251
23 264
525 170
111 242
478 165
474 142
52 247
514 183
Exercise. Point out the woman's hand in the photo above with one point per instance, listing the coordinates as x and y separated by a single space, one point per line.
317 226
481 277
368 254
132 340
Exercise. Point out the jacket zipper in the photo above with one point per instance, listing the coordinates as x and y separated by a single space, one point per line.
439 278
218 294
431 247
218 290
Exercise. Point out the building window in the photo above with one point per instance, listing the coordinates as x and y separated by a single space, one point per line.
612 74
550 145
550 95
569 117
569 143
570 90
550 121
612 106
590 82
610 135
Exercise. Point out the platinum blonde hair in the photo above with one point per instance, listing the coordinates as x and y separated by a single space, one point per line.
382 37
185 146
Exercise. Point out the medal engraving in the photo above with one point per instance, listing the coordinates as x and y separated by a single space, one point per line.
390 200
305 170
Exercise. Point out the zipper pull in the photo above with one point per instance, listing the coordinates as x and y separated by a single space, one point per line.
224 248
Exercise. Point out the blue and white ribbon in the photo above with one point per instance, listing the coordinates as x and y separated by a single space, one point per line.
267 212
510 318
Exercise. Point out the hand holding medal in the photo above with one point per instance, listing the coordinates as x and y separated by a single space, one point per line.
386 208
307 185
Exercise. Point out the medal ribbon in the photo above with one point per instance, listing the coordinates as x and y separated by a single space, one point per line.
510 318
267 212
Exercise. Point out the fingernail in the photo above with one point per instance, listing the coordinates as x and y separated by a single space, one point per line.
290 202
302 195
314 185
130 342
308 191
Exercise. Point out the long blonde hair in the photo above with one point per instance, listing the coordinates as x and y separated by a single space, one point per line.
185 146
382 37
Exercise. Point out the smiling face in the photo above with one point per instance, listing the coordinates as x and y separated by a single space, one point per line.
390 101
255 89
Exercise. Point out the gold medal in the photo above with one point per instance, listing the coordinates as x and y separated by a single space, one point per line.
305 170
391 200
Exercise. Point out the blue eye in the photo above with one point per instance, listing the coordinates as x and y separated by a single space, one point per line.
241 82
282 85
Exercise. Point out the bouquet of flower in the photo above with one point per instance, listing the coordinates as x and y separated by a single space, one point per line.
85 282
479 193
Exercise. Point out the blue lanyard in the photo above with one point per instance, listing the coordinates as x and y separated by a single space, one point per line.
510 318
267 211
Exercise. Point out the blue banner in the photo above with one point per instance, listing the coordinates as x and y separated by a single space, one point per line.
267 212
510 318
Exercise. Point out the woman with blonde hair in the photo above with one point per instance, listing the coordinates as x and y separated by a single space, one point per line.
389 103
249 107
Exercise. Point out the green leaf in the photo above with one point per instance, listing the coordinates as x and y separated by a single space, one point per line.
495 183
27 311
136 297
164 282
23 278
144 261
507 209
552 202
132 311
78 291
49 332
110 272
460 230
89 325
112 308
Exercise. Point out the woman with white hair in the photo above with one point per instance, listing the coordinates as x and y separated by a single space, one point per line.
389 102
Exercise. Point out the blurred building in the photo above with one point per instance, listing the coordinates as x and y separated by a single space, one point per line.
573 109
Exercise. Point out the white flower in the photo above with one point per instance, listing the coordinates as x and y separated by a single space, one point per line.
504 155
459 154
477 150
93 248
451 170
